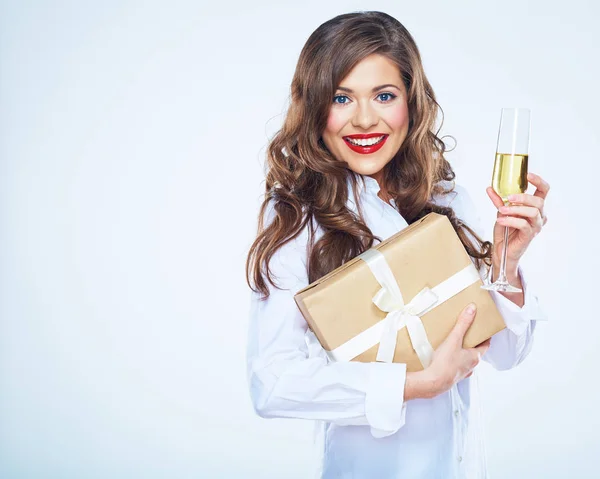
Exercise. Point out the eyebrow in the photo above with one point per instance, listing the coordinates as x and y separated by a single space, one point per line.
377 88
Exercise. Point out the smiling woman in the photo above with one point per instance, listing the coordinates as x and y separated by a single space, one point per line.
357 159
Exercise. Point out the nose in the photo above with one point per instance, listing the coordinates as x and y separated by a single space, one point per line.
364 117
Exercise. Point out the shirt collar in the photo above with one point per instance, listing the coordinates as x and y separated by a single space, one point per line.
364 184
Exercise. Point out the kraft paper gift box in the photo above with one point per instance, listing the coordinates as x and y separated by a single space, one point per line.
399 300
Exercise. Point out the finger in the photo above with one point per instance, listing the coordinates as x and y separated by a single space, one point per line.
527 200
524 211
535 202
482 348
531 214
474 358
495 197
517 223
542 186
464 321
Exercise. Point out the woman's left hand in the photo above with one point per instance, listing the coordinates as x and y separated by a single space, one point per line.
525 219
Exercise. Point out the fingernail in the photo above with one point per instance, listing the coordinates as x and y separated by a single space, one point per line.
513 197
504 209
471 308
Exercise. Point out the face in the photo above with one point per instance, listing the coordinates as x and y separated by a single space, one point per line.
368 120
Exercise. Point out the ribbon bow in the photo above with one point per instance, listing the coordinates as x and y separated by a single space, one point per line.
399 315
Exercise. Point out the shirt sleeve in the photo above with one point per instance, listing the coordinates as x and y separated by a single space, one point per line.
508 347
291 376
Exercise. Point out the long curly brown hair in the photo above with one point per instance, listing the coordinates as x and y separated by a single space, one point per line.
307 183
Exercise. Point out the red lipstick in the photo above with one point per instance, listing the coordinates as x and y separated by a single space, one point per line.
365 150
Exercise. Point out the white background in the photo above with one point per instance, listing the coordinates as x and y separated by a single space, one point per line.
132 137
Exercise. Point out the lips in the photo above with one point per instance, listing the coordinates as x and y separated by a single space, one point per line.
365 150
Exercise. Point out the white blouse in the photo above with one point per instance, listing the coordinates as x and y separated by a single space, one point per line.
369 431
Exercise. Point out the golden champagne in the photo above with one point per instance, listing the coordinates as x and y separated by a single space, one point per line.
510 174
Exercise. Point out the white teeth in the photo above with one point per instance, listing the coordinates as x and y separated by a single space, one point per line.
369 142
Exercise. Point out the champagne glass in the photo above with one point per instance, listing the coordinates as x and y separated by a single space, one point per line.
510 173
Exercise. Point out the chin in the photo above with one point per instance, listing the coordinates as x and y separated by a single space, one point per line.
368 165
367 168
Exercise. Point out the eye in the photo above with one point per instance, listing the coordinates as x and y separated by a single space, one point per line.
390 96
340 96
386 97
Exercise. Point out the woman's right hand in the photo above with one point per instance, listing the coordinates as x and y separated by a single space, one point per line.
451 362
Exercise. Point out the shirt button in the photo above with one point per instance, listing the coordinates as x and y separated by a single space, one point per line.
456 413
459 458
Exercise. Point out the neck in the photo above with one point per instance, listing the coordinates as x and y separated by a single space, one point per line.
378 177
384 196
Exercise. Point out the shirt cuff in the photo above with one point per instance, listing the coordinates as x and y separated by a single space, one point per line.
517 318
385 408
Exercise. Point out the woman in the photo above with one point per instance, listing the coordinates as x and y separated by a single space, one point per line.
357 159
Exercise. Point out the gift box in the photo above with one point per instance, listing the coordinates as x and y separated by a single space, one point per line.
399 300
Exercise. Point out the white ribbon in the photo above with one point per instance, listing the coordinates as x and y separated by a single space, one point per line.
399 315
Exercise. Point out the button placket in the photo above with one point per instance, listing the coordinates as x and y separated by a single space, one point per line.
456 423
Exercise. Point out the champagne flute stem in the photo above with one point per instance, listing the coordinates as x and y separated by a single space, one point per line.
502 273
